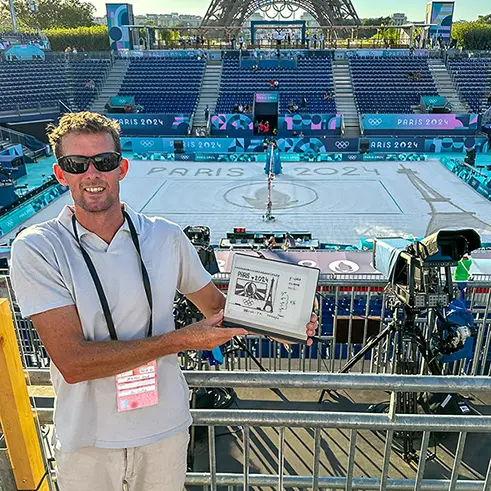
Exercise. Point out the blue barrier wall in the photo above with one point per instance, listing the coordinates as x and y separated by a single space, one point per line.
420 124
307 145
153 124
310 124
241 125
481 183
232 124
26 210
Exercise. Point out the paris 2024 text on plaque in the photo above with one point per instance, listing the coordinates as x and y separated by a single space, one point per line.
270 297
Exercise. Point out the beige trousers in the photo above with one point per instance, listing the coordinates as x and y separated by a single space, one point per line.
160 466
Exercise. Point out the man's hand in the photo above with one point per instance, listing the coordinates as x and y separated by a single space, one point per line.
311 328
205 335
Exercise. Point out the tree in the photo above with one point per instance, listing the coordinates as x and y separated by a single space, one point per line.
372 21
472 35
486 19
49 14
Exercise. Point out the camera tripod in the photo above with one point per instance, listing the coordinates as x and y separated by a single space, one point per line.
409 339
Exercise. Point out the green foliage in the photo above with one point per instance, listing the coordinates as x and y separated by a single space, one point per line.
472 35
372 21
485 19
50 13
94 38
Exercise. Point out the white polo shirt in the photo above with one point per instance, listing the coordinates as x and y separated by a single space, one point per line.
48 271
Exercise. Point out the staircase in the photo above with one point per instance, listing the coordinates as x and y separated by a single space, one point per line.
112 85
208 95
445 85
345 98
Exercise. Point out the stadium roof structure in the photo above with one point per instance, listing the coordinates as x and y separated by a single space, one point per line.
226 13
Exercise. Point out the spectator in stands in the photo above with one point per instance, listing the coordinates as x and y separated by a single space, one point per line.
290 106
275 131
128 108
271 83
233 42
236 107
266 127
440 41
241 42
241 108
272 244
489 99
294 134
265 142
207 113
68 50
321 40
327 95
301 135
276 84
90 345
74 50
90 84
303 103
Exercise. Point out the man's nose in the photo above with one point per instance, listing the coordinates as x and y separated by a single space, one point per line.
92 170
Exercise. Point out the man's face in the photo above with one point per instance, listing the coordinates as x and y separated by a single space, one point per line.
93 191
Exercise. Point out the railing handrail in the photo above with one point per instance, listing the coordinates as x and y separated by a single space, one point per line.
329 381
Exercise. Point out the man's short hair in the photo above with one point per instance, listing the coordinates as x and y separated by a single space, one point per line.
83 122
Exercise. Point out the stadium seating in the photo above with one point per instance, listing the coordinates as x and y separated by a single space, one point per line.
382 85
164 85
470 75
42 84
82 71
311 78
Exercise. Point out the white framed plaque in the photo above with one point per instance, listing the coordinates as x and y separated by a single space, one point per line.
270 297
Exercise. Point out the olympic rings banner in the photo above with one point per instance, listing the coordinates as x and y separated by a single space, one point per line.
420 124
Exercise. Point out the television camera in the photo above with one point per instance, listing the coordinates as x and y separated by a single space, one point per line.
420 280
426 317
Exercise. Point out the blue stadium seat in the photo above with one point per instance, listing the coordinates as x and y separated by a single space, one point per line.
382 85
164 85
471 76
39 83
311 78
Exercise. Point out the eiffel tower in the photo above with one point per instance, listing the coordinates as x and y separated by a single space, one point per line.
227 13
444 213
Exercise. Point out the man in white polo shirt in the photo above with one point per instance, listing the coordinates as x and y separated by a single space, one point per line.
99 282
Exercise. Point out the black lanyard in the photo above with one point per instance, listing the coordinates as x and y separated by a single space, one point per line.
98 284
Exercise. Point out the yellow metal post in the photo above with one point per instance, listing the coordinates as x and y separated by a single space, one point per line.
15 410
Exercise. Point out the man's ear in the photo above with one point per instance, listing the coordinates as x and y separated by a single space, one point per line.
123 168
59 175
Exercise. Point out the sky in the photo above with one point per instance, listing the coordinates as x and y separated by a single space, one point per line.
414 9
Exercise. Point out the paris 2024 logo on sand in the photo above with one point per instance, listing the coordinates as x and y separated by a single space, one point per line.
285 196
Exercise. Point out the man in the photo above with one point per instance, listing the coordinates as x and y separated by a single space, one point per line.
461 275
99 283
207 113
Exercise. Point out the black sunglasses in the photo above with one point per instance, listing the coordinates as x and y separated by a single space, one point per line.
78 164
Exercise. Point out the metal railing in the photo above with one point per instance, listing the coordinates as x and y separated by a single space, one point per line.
351 311
319 424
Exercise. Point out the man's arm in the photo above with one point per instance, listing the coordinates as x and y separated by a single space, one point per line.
79 360
209 300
